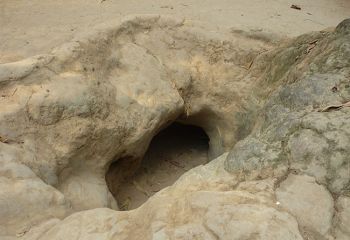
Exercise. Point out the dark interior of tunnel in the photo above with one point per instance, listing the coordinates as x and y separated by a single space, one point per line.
173 151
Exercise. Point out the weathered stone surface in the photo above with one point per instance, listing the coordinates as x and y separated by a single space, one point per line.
309 202
66 116
250 221
342 230
204 204
24 197
297 129
103 96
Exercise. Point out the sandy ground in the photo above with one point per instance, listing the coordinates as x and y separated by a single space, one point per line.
30 27
172 152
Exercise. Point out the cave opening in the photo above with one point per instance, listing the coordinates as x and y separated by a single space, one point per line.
173 151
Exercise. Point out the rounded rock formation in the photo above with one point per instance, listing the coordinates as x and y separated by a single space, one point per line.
276 114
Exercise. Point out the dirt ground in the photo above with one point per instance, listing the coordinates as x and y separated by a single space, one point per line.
32 27
172 152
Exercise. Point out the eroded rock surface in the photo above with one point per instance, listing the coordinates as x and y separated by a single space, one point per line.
279 110
311 203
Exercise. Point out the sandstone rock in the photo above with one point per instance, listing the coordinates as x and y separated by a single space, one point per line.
25 200
309 202
342 230
250 221
290 130
103 96
65 117
189 211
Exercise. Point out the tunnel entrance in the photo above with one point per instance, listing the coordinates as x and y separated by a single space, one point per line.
172 152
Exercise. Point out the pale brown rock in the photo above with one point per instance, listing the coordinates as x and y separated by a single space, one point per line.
99 99
342 218
308 201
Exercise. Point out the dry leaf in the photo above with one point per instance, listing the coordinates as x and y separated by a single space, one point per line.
141 189
294 6
125 204
313 42
334 107
312 46
176 164
4 140
347 104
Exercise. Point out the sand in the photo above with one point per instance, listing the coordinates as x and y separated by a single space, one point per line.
32 27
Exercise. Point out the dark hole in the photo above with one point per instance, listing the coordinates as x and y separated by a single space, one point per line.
172 152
